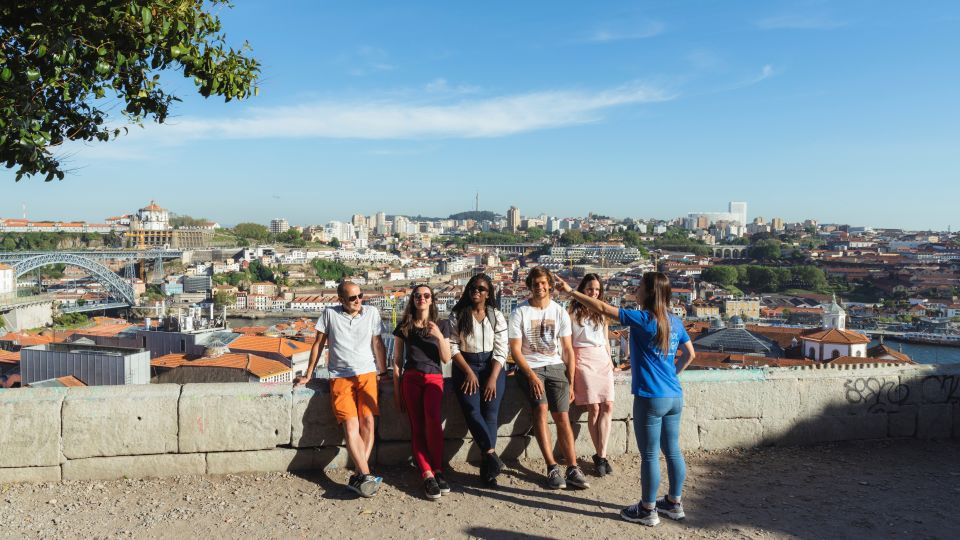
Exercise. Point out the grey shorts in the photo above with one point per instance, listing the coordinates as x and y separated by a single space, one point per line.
556 387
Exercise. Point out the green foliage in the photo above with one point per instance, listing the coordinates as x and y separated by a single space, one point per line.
178 221
677 239
765 249
252 231
232 278
756 278
291 237
260 272
331 270
62 62
51 241
334 243
482 215
535 234
70 320
223 298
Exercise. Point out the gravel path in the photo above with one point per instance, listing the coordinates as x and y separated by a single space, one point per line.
907 489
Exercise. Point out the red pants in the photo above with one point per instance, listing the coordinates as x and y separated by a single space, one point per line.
422 396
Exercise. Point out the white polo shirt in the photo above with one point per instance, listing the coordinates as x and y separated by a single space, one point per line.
349 340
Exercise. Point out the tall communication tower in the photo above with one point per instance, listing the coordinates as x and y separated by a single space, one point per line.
476 203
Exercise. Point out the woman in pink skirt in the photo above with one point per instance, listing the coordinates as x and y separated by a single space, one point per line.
593 386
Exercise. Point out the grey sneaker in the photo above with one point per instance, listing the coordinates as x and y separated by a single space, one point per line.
554 478
636 513
365 485
673 510
576 478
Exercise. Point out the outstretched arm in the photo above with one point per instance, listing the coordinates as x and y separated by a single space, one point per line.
593 303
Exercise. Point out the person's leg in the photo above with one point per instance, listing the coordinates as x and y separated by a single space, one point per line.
412 386
471 406
593 415
604 422
557 389
433 422
367 409
542 433
647 422
356 448
670 444
491 409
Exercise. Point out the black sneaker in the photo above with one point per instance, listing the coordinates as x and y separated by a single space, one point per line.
673 510
601 465
442 483
431 488
636 513
365 485
576 478
492 466
554 478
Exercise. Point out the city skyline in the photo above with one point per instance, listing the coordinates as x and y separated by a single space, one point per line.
837 111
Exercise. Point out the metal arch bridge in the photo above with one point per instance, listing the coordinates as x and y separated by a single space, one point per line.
114 283
11 257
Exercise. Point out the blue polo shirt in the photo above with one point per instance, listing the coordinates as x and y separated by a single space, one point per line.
654 373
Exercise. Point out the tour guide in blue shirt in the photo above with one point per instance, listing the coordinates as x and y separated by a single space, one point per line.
655 336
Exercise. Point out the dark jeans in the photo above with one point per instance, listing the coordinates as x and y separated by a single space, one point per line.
483 417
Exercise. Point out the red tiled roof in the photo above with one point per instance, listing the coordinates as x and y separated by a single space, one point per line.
834 335
7 357
286 347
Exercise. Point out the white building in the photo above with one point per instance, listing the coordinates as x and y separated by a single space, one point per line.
279 225
8 279
834 340
153 218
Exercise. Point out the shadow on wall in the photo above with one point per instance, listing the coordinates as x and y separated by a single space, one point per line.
891 479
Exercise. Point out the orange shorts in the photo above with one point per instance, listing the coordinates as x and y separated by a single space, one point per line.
354 397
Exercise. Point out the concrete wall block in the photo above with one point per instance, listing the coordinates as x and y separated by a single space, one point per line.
731 400
464 450
842 396
313 423
730 433
393 424
939 389
902 422
154 466
781 431
689 434
779 398
935 421
30 427
392 453
277 460
623 400
120 420
583 444
218 417
29 474
843 428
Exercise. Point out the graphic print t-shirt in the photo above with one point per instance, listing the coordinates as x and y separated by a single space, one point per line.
540 331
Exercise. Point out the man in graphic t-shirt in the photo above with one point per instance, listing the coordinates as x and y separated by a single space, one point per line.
540 344
352 331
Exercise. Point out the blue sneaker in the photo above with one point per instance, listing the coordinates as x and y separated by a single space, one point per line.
636 513
673 510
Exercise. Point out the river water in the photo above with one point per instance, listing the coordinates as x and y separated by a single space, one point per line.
922 354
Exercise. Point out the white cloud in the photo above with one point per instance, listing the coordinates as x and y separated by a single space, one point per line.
798 22
401 120
621 32
441 86
366 60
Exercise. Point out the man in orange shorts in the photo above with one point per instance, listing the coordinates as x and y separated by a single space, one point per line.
352 331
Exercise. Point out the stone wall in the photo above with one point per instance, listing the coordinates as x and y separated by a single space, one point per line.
49 434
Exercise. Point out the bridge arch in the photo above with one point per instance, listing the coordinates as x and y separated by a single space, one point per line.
101 273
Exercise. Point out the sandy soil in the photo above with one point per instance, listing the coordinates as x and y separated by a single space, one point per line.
907 489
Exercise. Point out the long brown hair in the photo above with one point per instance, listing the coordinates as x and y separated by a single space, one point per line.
578 311
409 312
657 293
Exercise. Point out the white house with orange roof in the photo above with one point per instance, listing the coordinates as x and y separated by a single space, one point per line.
833 340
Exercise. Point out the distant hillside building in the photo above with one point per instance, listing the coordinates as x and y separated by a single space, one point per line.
150 228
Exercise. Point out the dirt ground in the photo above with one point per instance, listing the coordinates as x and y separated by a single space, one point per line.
907 489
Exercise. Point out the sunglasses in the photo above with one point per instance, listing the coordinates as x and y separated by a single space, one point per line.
479 289
423 296
354 297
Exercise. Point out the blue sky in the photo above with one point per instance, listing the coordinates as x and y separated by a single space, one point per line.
841 111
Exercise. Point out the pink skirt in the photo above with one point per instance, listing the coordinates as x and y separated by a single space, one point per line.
593 380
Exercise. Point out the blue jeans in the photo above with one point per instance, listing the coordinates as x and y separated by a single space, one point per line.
656 422
483 417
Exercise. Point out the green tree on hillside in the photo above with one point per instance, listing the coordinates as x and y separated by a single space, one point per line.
252 231
64 64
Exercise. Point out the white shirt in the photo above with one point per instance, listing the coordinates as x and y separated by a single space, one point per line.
483 338
350 340
540 331
590 334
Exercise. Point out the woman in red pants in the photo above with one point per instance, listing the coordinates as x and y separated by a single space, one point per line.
419 349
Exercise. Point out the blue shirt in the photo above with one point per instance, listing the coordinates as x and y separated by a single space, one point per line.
654 373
